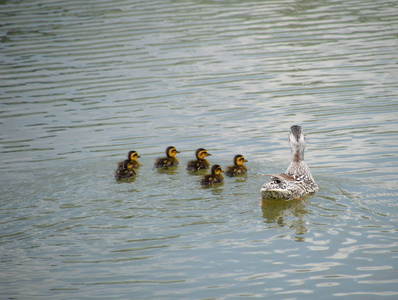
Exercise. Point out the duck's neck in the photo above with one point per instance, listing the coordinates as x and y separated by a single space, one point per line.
298 165
297 154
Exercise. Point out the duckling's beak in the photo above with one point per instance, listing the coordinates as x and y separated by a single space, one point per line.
177 151
208 154
222 171
138 156
245 160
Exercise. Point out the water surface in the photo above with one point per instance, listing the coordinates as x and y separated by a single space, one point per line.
82 83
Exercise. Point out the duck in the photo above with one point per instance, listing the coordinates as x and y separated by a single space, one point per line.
170 160
297 182
200 162
214 177
126 171
238 168
131 156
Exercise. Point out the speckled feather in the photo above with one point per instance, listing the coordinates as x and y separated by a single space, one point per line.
297 181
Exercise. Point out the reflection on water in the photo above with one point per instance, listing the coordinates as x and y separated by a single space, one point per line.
82 83
286 213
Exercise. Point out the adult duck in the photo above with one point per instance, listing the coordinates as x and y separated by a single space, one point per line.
297 181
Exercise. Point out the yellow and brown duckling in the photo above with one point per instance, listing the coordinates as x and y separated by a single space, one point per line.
214 177
131 156
126 171
201 162
169 161
238 168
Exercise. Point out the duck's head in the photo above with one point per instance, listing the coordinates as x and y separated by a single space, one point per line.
296 143
171 151
133 155
201 153
216 170
127 164
239 160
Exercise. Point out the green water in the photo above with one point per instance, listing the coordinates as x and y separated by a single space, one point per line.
83 83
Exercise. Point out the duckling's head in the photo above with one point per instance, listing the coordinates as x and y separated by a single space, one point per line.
239 160
201 153
171 151
133 155
216 170
297 143
127 164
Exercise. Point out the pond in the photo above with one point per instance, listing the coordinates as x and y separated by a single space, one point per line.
83 83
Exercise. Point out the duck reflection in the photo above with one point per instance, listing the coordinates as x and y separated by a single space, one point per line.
286 213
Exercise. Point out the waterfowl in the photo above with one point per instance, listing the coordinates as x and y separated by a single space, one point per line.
238 168
126 171
297 181
214 177
131 156
170 160
201 162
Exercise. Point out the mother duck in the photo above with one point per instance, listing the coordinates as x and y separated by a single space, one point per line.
297 181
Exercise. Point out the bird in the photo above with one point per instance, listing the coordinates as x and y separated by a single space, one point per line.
297 181
238 168
170 160
126 171
131 156
214 177
201 162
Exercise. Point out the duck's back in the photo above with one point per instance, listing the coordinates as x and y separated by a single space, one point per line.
165 162
211 179
235 170
124 173
136 164
198 164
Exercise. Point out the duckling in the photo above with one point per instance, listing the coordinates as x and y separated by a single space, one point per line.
131 156
214 177
200 162
238 168
126 171
297 181
169 161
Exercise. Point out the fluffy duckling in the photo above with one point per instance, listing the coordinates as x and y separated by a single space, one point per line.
238 168
126 171
201 162
170 160
214 177
131 156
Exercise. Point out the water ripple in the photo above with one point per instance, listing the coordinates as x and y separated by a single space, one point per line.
83 83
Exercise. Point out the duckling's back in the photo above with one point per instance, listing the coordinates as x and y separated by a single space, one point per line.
198 164
211 179
165 162
123 173
235 170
